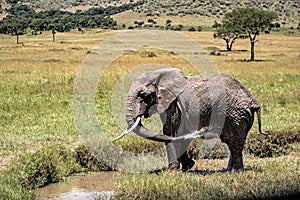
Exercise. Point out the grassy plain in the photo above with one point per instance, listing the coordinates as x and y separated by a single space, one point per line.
36 87
36 90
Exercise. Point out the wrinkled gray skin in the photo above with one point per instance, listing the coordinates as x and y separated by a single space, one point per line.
186 104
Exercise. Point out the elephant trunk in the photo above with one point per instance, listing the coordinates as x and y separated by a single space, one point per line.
132 115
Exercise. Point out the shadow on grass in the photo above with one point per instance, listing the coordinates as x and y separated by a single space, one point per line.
200 172
249 61
211 172
258 60
238 50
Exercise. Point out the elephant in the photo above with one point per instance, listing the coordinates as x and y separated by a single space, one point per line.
214 106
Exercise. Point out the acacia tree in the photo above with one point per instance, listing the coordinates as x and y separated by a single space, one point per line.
229 33
252 20
14 26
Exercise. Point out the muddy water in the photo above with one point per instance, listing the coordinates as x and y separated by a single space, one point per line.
99 185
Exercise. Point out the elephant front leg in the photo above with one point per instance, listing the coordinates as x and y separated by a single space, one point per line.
177 152
171 120
186 161
172 156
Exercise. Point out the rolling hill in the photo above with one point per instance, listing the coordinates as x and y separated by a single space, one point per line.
288 10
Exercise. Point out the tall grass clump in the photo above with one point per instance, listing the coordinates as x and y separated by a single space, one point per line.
45 166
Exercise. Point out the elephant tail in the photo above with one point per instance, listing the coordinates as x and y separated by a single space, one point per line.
259 123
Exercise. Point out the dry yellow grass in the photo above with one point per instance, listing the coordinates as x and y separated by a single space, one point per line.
274 54
41 54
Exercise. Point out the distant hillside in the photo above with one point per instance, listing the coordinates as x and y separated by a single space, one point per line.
69 5
288 10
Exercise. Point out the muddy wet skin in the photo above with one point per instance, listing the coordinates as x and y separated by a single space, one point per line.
96 185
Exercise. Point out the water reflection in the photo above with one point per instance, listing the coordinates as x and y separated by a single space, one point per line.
96 185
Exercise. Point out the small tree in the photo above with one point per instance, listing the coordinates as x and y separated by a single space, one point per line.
252 20
53 35
229 33
14 26
168 23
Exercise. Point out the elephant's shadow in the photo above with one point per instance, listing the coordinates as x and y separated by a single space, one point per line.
202 172
205 172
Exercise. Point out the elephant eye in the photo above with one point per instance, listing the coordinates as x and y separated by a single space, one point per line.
143 94
148 98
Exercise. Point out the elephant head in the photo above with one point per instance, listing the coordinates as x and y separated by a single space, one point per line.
153 92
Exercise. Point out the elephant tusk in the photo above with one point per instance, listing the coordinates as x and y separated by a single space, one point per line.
129 129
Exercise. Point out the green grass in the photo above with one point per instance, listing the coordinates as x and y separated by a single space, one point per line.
278 94
270 179
36 86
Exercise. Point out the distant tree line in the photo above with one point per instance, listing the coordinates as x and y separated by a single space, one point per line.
21 18
151 23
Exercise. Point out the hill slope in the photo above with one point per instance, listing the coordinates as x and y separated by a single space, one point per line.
69 5
288 10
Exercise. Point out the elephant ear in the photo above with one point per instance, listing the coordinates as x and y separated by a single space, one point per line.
170 83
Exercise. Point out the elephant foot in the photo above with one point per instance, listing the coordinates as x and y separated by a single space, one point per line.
188 164
174 166
225 170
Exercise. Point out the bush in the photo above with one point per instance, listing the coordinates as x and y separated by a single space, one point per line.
272 145
191 29
45 166
258 145
215 53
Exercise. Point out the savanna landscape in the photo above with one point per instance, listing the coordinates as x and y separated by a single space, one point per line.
39 142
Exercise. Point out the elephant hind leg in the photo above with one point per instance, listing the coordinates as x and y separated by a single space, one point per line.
235 157
235 160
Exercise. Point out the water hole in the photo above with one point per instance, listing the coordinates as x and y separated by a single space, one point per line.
85 186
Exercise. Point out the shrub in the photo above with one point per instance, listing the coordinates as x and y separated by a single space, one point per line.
215 53
272 145
191 29
45 166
